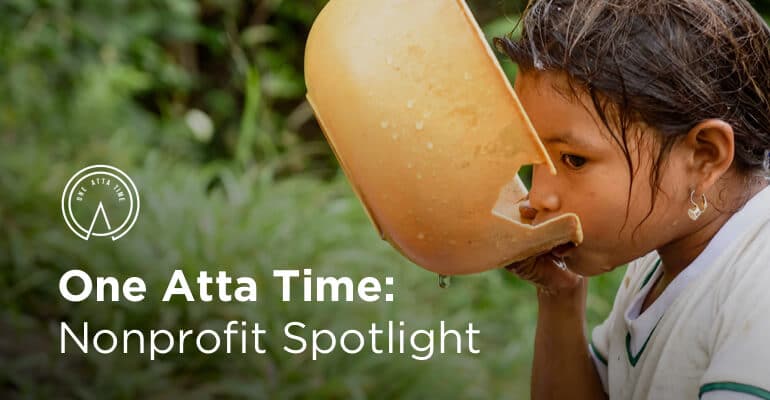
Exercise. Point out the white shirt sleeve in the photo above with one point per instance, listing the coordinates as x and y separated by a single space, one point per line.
738 339
599 342
601 366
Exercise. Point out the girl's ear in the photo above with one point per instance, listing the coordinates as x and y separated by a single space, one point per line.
711 147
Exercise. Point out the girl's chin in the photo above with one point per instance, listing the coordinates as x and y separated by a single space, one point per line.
581 263
576 262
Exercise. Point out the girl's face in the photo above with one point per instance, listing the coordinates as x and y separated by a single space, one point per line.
593 178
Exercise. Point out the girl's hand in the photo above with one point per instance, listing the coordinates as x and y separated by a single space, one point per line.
545 270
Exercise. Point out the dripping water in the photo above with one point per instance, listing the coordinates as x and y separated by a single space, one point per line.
443 281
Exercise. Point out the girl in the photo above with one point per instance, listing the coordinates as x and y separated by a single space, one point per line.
657 113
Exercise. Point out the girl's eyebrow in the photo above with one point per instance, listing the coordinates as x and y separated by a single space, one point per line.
570 139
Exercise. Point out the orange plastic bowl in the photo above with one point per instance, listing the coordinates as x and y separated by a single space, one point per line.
428 131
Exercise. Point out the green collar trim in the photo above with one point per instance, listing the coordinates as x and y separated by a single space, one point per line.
649 275
735 387
633 359
597 354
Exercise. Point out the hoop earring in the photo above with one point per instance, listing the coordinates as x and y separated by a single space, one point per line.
695 211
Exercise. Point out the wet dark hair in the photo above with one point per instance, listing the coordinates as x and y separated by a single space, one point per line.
667 64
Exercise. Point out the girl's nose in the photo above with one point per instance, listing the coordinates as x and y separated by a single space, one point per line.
542 197
543 202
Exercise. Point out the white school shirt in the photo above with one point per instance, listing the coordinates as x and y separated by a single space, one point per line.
708 334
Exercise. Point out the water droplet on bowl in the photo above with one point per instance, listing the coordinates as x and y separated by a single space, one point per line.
443 281
384 124
421 236
429 145
410 103
419 125
390 60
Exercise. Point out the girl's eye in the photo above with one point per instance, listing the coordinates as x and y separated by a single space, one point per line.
573 161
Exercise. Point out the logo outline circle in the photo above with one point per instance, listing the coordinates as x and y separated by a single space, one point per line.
133 194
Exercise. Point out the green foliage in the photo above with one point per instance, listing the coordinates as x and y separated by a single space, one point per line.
202 103
248 227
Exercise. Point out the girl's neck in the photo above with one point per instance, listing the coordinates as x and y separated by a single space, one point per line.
677 255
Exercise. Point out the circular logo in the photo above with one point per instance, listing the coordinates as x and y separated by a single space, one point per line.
100 200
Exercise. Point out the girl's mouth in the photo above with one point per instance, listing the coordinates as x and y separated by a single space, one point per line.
563 249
